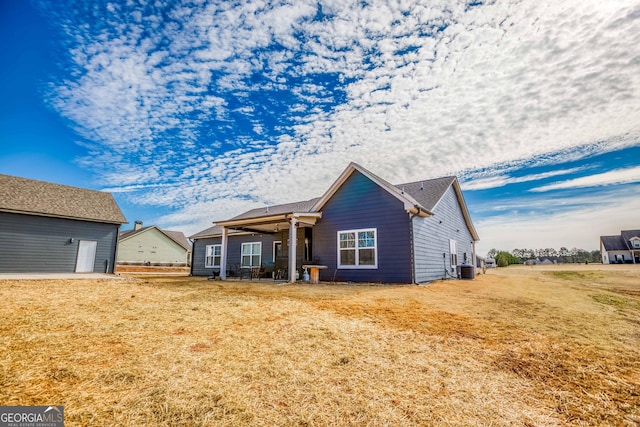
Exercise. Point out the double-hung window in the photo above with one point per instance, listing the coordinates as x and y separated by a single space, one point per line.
251 254
212 256
358 248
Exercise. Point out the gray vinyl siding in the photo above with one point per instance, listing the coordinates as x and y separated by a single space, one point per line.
234 249
431 239
361 204
35 244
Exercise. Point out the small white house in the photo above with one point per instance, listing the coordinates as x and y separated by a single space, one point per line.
153 246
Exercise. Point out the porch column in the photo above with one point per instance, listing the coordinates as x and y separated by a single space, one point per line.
293 240
223 254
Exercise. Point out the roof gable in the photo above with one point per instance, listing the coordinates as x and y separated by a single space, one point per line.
430 193
627 235
32 197
410 204
177 237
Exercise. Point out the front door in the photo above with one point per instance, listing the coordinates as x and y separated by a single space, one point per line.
86 256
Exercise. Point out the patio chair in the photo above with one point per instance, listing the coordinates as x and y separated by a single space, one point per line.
267 270
281 268
241 272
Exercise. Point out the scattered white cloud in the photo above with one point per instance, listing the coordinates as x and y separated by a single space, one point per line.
619 176
502 180
267 102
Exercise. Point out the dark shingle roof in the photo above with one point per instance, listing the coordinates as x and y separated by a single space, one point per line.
426 192
304 206
614 243
214 231
178 237
209 232
28 196
429 191
628 234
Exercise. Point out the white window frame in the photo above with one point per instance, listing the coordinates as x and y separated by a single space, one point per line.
635 243
357 249
453 253
210 254
251 255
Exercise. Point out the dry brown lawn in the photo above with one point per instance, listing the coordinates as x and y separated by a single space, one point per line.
522 346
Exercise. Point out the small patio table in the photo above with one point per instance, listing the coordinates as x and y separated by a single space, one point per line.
314 272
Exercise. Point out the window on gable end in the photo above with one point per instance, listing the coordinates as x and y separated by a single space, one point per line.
358 248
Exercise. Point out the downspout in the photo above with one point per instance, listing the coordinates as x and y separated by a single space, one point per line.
115 251
412 254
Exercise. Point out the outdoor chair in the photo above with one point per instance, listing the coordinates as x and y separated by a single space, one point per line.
267 270
241 272
281 268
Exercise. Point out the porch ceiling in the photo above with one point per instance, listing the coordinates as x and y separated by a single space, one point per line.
272 224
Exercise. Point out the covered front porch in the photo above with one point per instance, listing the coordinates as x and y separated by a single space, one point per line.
293 244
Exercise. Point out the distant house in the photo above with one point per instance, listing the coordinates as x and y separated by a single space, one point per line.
154 246
622 249
52 228
362 229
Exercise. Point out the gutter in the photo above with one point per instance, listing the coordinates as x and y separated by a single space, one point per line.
418 210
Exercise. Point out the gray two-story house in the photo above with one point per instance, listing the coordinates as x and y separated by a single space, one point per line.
362 229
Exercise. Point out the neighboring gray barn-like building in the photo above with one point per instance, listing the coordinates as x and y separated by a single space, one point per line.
53 228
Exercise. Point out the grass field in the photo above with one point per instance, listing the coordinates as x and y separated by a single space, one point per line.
521 346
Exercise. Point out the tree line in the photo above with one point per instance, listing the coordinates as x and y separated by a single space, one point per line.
563 255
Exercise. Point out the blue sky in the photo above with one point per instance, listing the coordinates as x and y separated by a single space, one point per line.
192 111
